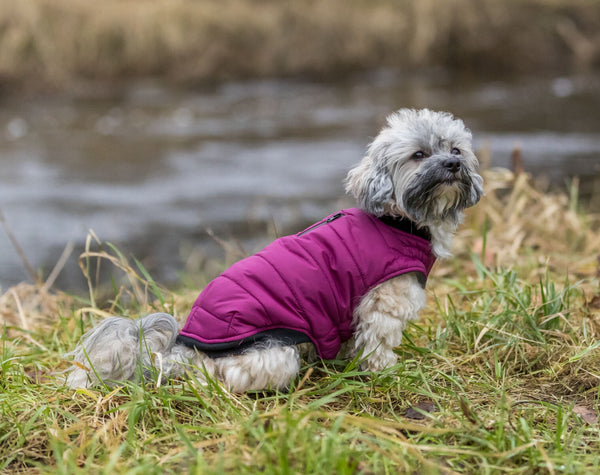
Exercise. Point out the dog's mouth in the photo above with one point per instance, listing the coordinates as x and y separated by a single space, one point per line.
450 180
437 195
446 176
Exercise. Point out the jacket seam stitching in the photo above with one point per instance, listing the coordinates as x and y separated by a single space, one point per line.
343 241
296 300
332 289
247 292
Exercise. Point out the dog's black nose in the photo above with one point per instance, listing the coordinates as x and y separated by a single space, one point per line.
452 164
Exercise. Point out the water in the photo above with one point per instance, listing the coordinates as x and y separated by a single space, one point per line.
151 168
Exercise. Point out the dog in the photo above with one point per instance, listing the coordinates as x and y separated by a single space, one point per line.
345 287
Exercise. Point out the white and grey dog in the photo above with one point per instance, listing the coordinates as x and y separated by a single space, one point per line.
419 170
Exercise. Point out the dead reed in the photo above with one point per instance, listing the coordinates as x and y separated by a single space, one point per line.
61 42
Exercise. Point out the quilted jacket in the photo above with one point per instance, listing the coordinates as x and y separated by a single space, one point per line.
305 287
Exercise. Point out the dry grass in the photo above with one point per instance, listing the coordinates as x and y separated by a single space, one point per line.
58 42
504 364
518 226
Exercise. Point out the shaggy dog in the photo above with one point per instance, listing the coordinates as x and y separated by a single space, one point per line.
346 286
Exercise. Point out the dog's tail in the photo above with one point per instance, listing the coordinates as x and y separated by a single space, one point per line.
120 349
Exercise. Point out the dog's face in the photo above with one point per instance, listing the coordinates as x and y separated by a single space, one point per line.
422 166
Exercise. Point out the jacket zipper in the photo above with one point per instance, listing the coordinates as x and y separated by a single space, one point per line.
317 225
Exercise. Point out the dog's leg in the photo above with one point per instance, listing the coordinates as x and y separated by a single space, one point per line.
381 318
270 366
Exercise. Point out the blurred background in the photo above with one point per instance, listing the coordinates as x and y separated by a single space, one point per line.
154 121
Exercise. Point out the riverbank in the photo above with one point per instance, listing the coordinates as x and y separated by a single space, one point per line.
500 373
59 43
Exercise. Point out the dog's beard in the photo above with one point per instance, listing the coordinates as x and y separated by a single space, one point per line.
436 195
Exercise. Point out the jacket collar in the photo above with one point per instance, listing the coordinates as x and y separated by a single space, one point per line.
406 225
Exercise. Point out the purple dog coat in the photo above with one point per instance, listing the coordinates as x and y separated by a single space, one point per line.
305 287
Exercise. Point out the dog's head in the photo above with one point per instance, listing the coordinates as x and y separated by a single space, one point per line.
420 166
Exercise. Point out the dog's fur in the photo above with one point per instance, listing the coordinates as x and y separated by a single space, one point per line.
421 166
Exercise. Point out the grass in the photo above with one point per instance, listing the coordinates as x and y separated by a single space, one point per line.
60 43
500 375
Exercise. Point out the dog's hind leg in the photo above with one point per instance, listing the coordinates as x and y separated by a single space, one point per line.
115 349
270 366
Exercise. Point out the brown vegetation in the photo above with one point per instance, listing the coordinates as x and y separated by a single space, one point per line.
57 41
527 229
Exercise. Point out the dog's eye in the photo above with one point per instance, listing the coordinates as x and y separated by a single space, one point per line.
455 151
419 155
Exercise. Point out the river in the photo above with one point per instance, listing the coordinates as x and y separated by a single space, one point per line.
151 168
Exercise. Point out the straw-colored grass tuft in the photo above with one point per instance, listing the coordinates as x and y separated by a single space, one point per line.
61 42
517 225
30 307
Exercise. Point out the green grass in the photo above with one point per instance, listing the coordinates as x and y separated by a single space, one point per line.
505 358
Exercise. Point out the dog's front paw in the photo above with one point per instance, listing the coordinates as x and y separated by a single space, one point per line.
379 360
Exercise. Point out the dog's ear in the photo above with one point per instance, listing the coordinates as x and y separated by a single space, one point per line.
371 185
476 189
